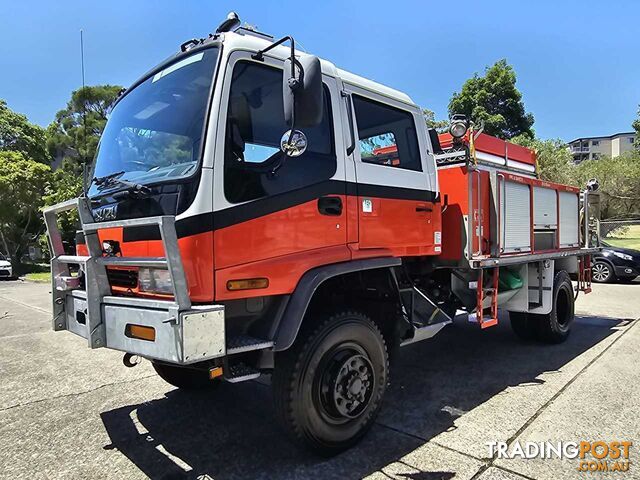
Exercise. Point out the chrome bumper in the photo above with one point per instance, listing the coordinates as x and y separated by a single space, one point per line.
183 333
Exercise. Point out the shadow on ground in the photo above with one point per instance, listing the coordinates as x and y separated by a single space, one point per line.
231 432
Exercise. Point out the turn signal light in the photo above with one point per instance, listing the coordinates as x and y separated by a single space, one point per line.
248 284
140 332
215 372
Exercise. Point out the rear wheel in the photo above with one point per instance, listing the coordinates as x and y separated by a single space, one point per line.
329 386
522 325
184 378
602 272
556 325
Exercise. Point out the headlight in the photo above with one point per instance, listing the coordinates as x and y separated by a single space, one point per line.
623 256
154 280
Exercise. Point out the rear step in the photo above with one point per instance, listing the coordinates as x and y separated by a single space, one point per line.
246 343
240 372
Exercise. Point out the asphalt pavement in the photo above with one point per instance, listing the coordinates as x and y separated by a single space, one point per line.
70 412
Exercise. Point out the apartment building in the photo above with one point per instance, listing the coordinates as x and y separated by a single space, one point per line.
592 148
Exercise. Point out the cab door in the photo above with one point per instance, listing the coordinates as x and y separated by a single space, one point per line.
274 217
395 190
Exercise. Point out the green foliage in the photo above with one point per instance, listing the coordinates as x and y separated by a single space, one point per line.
22 184
66 134
17 134
619 180
64 183
430 120
555 163
494 100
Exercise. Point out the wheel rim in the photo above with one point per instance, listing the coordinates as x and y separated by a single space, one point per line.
600 272
346 383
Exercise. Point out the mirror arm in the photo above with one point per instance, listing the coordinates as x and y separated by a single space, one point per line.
352 145
259 55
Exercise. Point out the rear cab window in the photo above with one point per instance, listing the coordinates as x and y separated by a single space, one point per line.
387 135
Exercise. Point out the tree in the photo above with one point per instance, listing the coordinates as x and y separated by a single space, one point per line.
555 162
494 100
76 130
17 134
430 120
619 180
636 127
22 184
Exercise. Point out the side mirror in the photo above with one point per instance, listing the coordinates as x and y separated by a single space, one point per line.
302 92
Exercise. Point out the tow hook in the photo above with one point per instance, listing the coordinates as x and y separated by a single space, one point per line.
130 360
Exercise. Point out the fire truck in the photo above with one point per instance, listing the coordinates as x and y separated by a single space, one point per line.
254 210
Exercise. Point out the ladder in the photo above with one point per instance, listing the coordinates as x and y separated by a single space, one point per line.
483 293
584 274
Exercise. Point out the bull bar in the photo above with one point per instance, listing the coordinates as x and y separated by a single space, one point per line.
184 333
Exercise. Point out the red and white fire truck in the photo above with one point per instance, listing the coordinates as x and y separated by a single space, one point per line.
253 209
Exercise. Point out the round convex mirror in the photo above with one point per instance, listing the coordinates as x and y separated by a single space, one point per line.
293 145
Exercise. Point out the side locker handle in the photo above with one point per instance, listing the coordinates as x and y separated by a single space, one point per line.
331 206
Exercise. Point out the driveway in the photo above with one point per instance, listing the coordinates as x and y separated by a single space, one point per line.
70 412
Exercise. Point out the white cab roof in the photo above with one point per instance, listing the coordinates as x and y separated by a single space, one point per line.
250 42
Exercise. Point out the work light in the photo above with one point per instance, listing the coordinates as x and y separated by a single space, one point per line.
458 126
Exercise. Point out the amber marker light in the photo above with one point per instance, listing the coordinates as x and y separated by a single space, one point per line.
140 332
247 284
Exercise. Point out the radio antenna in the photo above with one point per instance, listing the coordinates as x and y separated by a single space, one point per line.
84 118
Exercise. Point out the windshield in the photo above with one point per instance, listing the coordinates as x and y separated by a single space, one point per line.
155 132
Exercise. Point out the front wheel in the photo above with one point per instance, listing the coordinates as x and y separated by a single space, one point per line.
329 386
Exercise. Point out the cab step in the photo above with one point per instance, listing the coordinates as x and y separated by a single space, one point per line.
246 343
240 372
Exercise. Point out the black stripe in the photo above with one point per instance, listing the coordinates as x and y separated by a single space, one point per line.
80 237
400 193
207 222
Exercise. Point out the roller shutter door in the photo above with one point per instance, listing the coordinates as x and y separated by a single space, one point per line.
515 217
545 212
568 219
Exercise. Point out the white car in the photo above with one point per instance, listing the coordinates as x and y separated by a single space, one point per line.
6 270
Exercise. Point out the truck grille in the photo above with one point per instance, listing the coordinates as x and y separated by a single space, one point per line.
122 278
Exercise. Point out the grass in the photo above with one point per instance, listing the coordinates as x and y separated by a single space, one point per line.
40 277
629 239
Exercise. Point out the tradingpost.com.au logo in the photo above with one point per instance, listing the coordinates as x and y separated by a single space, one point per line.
596 456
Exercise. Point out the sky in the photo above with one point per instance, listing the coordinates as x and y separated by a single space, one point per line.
576 61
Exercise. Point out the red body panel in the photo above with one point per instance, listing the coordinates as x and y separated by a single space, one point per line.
494 146
197 258
286 232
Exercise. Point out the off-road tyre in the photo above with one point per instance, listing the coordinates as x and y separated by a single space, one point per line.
523 326
341 358
555 326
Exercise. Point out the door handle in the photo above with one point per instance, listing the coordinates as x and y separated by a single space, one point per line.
331 206
423 208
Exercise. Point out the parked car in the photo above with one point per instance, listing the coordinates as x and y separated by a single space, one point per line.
615 263
6 270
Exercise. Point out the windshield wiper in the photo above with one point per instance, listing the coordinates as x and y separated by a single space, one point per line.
107 179
112 180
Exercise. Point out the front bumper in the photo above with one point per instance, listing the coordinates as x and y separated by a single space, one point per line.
6 272
183 338
182 333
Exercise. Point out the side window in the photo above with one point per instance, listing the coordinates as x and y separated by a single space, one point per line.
387 135
255 125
